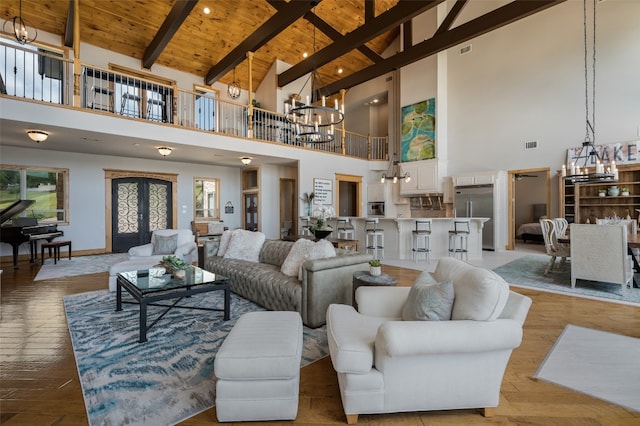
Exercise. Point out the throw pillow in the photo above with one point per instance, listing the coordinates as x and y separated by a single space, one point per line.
224 242
293 262
165 244
245 245
429 300
320 250
211 247
215 228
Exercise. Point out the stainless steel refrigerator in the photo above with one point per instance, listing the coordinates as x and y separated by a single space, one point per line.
477 201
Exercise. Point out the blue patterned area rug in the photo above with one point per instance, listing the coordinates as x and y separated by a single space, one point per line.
168 378
79 265
528 271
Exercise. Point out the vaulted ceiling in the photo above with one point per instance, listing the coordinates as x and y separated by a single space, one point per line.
349 34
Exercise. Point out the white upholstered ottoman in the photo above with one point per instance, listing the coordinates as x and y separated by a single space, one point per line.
129 265
258 368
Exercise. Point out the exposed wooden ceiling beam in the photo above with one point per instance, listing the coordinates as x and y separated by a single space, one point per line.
287 13
68 28
331 32
392 18
452 16
490 21
369 10
335 35
172 22
407 34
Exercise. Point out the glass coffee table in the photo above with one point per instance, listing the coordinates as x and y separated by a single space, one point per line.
153 285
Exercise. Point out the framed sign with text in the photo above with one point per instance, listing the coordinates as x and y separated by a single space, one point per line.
323 191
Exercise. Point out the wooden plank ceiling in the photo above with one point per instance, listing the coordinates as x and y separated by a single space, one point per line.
349 34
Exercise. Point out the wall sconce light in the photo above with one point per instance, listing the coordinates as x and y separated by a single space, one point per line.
246 160
37 135
165 150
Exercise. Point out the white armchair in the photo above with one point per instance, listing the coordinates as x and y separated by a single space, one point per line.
162 240
610 263
387 365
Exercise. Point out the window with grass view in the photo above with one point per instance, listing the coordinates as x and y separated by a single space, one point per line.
46 186
207 198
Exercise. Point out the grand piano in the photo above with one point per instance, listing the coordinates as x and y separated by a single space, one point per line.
24 229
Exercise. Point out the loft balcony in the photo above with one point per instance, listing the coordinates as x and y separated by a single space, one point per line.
42 77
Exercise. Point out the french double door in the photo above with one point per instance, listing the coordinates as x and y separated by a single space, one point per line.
139 207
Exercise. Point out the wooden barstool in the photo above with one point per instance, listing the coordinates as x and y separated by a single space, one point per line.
459 233
422 232
374 237
345 230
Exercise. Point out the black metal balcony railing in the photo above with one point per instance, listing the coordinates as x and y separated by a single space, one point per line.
31 73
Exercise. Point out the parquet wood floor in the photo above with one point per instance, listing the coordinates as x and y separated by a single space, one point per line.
39 381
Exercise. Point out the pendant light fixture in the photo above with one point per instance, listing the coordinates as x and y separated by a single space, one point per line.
592 169
314 122
20 31
233 90
394 172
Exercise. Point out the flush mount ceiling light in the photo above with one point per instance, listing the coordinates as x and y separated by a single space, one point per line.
233 90
165 150
20 31
395 172
37 135
246 160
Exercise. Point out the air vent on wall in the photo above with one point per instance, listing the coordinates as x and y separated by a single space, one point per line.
531 145
465 49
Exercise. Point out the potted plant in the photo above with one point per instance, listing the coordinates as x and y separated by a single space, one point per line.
625 191
175 266
602 192
375 267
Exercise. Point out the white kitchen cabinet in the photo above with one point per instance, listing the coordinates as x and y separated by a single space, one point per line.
424 177
479 179
375 192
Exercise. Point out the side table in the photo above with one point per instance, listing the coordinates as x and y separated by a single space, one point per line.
361 278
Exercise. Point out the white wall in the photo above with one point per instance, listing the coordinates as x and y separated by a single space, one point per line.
87 189
525 82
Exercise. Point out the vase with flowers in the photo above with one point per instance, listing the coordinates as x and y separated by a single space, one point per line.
321 228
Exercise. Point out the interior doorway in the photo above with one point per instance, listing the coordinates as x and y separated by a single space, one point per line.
529 198
349 195
288 207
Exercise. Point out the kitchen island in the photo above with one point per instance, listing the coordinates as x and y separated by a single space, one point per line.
398 237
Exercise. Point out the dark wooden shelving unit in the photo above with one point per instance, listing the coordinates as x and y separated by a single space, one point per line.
581 202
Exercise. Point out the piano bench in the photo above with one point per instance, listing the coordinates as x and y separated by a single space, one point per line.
55 245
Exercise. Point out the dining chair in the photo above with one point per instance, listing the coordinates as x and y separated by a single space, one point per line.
554 248
561 225
612 265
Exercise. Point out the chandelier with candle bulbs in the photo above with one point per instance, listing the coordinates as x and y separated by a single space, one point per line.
593 169
314 122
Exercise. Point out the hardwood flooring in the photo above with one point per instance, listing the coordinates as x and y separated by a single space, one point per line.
39 381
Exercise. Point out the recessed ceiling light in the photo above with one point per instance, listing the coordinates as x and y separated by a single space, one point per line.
375 101
305 54
340 70
206 11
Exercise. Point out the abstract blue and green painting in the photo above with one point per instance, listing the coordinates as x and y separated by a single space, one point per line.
418 131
